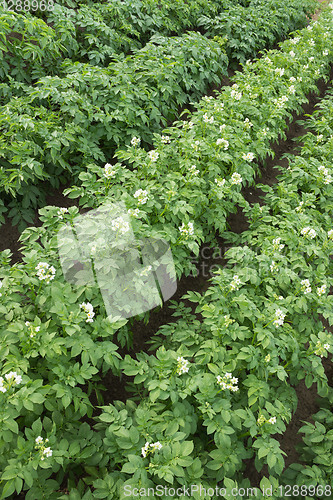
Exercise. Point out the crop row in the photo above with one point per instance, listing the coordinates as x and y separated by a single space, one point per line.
221 384
33 47
50 129
57 351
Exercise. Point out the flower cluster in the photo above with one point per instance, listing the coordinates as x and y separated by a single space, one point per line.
279 71
267 358
150 447
145 271
141 195
310 233
306 287
324 172
45 272
320 349
227 320
228 382
223 142
182 366
187 125
299 207
321 290
273 267
12 379
247 123
33 329
235 94
280 102
187 229
193 170
109 171
208 119
89 310
44 451
135 141
248 156
61 212
234 285
220 183
120 224
153 155
277 245
165 139
262 420
133 213
279 318
236 178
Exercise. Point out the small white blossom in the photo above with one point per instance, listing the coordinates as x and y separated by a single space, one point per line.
280 71
220 183
13 377
89 310
2 388
133 213
195 145
45 272
208 119
267 358
39 440
321 290
326 346
273 267
61 212
193 170
142 196
153 155
276 243
292 89
156 446
227 381
325 52
222 127
234 285
236 178
272 420
247 123
330 234
187 229
307 231
299 208
135 141
306 287
223 142
248 156
279 318
183 365
109 171
236 95
146 271
292 53
47 452
295 40
119 224
145 449
165 139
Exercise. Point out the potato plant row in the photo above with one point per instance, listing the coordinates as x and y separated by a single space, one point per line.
220 388
53 128
56 342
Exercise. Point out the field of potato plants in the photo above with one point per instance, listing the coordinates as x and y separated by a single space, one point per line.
208 124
